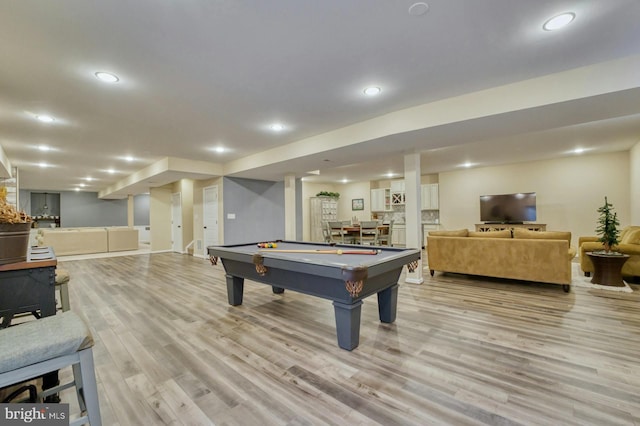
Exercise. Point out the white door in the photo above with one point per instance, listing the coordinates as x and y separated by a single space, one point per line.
176 222
210 217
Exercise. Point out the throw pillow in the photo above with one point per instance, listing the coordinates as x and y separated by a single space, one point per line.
456 233
505 233
542 235
632 236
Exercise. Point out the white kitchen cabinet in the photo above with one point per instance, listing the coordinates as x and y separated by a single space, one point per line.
399 235
429 196
380 200
397 192
397 185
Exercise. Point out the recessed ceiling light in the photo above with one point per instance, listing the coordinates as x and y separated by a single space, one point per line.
44 148
390 174
111 171
372 91
45 118
43 165
277 127
88 178
107 77
77 189
219 149
129 158
578 150
559 21
345 181
82 185
418 9
467 164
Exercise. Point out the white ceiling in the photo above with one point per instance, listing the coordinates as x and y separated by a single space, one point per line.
469 81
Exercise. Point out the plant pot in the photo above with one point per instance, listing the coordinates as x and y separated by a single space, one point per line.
14 242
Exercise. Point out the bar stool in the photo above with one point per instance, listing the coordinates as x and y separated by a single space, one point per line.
62 284
34 348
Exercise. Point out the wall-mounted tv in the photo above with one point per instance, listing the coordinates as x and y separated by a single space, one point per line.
508 208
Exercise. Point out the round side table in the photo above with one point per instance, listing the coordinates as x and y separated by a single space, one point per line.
607 268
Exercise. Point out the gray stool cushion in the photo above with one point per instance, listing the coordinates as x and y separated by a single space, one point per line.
47 338
62 276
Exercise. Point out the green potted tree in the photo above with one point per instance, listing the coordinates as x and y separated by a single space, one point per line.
607 228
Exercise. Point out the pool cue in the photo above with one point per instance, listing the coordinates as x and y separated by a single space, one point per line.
371 252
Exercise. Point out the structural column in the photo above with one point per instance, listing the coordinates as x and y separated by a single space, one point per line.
290 207
413 216
130 205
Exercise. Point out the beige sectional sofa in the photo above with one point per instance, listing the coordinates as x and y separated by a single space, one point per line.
542 256
629 244
121 239
72 241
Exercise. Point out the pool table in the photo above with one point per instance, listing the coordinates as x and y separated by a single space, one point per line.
345 274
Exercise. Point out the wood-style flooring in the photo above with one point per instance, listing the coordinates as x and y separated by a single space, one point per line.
463 351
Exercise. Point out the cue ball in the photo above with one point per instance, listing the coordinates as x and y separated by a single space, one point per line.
339 252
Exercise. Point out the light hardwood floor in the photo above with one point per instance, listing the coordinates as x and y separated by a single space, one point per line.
463 351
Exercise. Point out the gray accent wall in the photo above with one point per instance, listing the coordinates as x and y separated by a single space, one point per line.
141 210
86 209
83 209
258 207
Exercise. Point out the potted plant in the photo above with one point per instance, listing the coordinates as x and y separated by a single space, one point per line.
335 195
607 228
14 231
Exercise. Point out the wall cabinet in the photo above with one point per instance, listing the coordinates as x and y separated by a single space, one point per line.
397 192
380 200
429 196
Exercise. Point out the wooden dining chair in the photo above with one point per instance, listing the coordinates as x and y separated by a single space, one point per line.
369 232
384 237
336 232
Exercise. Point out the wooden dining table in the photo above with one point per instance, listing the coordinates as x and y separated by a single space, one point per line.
353 231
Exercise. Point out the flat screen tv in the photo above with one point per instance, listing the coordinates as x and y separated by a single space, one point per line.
508 208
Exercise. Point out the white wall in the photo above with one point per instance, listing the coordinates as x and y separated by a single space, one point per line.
347 191
350 191
569 191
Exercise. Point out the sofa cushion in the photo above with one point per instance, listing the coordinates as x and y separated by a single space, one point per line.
631 236
455 233
542 235
505 233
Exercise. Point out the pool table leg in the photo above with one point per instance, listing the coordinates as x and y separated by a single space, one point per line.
388 304
235 287
348 324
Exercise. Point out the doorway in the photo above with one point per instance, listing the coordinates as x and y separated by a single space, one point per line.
176 222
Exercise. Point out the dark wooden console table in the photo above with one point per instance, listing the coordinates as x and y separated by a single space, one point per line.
486 227
607 268
28 286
